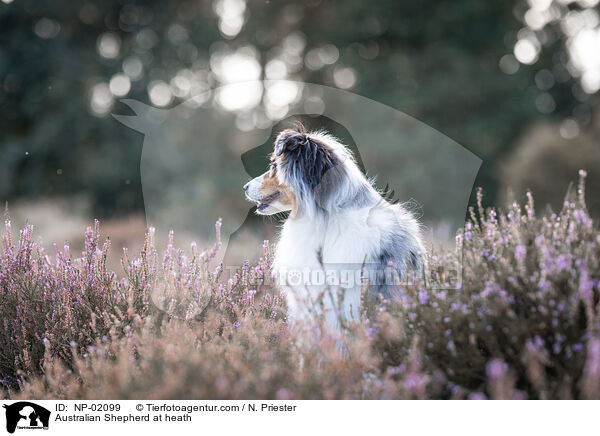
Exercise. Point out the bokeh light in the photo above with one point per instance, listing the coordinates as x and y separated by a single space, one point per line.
317 58
314 105
579 22
119 85
46 28
102 99
569 128
160 93
109 45
526 51
508 64
133 67
584 49
275 69
344 78
231 16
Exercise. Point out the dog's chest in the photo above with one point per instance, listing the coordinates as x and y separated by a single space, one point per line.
345 240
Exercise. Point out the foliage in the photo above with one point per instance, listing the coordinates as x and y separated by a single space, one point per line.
524 323
437 61
544 163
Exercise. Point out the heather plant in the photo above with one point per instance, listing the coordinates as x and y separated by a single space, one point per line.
523 321
53 305
58 309
526 314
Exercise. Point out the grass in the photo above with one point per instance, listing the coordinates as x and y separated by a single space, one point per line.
524 324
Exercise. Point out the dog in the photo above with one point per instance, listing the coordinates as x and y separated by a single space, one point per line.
340 230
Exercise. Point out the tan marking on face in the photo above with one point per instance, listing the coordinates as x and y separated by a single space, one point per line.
271 185
289 199
277 159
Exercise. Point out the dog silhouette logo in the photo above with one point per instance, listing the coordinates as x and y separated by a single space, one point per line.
26 415
197 155
192 174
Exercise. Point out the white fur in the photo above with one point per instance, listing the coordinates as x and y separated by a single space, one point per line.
335 239
346 241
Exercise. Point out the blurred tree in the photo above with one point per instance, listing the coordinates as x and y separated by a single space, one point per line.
455 65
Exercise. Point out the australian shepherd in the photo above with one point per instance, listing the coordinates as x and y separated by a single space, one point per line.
340 231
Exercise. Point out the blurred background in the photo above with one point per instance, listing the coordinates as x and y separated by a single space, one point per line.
515 82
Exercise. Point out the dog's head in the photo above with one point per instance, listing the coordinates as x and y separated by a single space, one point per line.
305 171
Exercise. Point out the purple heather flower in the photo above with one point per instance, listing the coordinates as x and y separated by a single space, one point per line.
586 285
563 262
544 285
396 370
496 369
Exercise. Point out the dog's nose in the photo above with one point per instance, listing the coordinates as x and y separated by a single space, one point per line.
246 186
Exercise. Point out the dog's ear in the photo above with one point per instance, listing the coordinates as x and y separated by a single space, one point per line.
289 140
309 159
